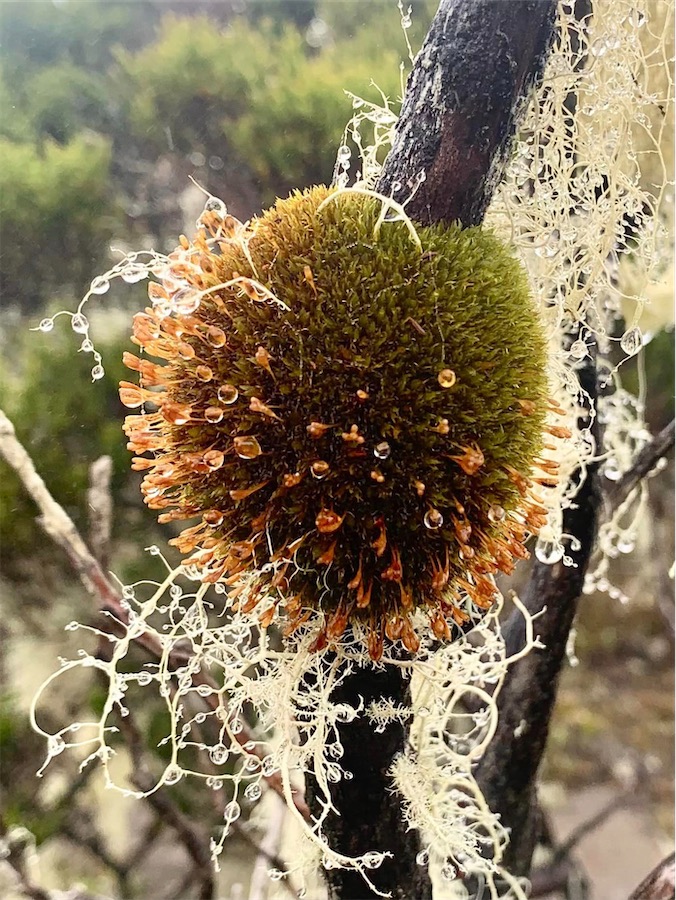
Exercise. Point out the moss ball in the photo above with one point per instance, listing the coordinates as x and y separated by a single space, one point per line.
354 418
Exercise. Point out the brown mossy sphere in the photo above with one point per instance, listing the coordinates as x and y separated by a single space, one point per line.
354 419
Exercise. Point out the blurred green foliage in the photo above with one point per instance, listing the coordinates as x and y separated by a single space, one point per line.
65 422
55 217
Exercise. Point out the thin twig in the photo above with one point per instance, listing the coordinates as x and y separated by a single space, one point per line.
100 507
60 527
660 884
660 446
564 849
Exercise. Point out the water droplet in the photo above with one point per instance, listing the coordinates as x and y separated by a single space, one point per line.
98 372
275 875
446 378
216 336
185 351
319 469
213 414
134 273
423 857
228 394
55 745
186 301
625 544
382 450
86 346
99 285
578 349
252 791
636 18
46 325
496 514
215 205
247 447
232 811
269 766
172 774
204 373
144 679
548 552
214 459
612 470
71 626
372 859
343 155
213 517
218 754
632 341
79 323
433 519
448 871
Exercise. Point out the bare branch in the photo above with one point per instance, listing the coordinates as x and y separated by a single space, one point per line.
660 884
660 446
100 506
464 96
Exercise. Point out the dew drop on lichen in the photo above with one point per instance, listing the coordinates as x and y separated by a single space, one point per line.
99 285
252 791
216 336
232 811
382 450
632 341
46 325
548 552
496 514
79 323
578 349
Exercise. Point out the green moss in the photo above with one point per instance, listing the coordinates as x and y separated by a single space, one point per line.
371 323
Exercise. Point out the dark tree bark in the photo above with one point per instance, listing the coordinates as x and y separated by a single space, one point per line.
507 772
464 96
463 99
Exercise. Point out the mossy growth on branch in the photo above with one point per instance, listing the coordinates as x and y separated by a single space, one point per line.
354 417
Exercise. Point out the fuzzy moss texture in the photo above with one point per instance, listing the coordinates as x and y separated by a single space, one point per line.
374 441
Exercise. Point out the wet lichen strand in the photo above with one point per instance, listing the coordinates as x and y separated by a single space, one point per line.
379 417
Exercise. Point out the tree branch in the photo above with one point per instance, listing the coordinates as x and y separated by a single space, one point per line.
508 770
463 99
464 96
660 446
660 884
